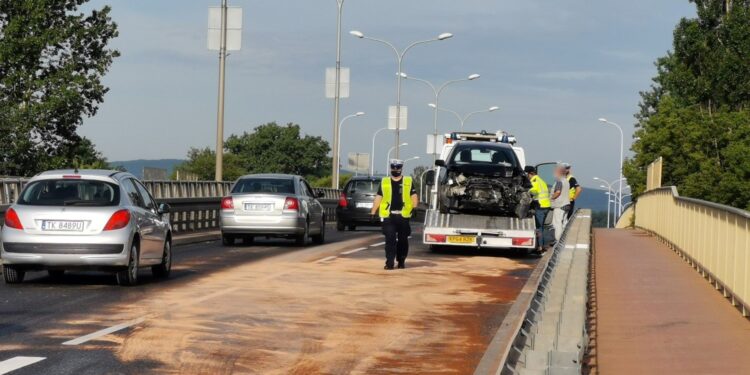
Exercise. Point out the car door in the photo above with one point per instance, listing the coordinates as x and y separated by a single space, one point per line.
316 207
160 224
143 219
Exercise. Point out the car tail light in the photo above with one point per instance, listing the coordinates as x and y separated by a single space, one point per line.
523 242
435 238
119 220
291 204
227 203
342 201
12 220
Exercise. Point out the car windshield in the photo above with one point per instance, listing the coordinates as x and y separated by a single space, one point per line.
487 155
70 192
364 186
264 185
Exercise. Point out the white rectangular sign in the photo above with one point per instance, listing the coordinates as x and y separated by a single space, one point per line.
359 162
434 147
331 83
234 28
392 117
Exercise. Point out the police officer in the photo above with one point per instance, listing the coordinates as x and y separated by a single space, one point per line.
541 203
394 203
575 189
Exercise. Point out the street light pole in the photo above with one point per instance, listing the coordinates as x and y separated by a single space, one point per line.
218 176
622 156
462 120
388 158
337 96
338 147
399 59
372 154
437 92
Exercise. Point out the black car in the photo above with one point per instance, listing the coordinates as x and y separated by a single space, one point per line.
355 203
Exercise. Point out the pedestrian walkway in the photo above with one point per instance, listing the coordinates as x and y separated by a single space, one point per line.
654 314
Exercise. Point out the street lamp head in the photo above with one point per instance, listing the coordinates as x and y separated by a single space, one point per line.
403 144
432 105
474 76
359 114
403 75
597 178
493 109
445 36
357 33
602 119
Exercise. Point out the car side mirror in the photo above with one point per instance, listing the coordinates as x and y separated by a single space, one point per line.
440 163
430 178
163 209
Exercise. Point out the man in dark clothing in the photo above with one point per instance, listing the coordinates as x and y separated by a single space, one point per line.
394 203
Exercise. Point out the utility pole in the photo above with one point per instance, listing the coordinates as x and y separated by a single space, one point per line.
337 98
220 115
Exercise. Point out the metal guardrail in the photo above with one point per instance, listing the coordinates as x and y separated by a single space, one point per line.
713 238
546 330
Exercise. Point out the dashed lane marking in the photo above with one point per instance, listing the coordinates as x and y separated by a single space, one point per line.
353 251
15 363
378 244
104 332
326 259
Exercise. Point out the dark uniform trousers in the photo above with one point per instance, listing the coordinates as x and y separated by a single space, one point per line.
397 231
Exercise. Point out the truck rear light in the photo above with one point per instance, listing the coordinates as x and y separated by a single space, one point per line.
12 220
342 201
523 241
440 238
119 220
291 204
227 203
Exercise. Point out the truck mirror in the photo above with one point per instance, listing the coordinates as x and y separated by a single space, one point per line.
440 163
430 178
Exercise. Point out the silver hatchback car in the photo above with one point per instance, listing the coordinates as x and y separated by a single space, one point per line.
272 205
87 219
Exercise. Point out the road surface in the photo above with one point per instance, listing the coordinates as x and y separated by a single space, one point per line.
267 308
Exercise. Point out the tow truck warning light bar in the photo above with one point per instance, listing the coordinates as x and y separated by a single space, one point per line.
482 136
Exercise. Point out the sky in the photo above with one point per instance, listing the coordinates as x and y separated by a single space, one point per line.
552 67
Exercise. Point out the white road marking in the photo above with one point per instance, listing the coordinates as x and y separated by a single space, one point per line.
582 246
326 259
104 332
353 251
378 244
15 363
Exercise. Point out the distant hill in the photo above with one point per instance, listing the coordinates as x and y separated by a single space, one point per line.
136 166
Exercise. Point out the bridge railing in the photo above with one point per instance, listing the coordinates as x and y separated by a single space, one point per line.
713 238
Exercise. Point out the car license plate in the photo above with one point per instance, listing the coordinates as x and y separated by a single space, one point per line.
62 226
260 207
364 205
462 239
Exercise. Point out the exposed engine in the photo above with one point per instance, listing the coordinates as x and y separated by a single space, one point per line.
470 193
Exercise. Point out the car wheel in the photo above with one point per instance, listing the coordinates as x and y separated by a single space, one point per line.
320 238
13 275
352 228
340 226
56 274
301 239
129 276
248 240
227 239
163 269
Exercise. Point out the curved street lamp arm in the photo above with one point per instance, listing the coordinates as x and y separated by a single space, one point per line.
395 50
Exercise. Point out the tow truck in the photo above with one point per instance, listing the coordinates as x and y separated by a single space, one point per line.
453 228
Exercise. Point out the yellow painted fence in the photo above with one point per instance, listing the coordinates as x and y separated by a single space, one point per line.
713 238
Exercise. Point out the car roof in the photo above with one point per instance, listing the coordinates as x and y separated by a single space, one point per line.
365 178
269 175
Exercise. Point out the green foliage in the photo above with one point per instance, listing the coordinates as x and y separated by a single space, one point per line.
202 163
281 149
52 59
697 114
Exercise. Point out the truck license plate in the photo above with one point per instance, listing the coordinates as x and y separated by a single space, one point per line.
62 226
462 239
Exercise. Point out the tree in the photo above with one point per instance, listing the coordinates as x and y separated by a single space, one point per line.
281 149
696 114
202 163
52 59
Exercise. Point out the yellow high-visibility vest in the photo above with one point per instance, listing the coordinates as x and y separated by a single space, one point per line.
540 192
387 188
572 191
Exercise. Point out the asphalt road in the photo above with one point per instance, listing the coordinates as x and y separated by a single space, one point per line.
269 307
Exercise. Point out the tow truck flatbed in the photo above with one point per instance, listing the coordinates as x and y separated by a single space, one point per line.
477 231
